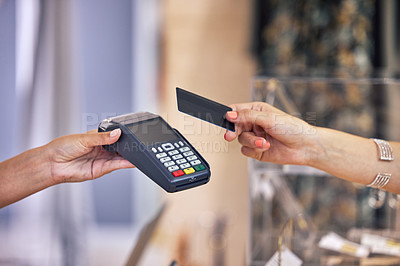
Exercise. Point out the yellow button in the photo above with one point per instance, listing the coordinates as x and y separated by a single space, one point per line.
188 170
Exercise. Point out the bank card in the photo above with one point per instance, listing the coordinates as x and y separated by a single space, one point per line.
203 108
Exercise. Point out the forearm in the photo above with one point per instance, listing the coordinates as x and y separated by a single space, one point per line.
23 175
353 158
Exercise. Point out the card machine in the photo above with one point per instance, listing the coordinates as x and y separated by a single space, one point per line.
158 150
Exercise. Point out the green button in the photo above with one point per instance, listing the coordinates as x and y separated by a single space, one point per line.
199 167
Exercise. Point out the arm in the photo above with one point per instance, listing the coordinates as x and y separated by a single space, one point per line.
354 158
268 134
72 158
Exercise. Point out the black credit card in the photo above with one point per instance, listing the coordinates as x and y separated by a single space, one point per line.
203 108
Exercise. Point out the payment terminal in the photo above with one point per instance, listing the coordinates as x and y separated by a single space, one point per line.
158 150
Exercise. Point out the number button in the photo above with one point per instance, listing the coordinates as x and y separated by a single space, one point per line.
181 161
173 152
176 157
165 159
185 165
195 162
173 168
184 149
191 158
167 164
167 146
160 155
188 153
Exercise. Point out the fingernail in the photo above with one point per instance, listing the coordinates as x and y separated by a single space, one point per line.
232 114
259 143
115 132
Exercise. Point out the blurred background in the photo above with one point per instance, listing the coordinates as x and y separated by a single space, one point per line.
65 65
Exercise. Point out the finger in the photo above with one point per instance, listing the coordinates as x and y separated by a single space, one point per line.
249 139
252 153
126 163
230 136
100 138
123 163
120 163
112 165
259 106
111 156
232 116
246 119
239 128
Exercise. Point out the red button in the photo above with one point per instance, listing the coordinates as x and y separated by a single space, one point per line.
177 173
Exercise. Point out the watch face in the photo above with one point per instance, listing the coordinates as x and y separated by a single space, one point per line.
152 131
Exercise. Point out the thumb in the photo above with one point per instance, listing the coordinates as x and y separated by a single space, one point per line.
247 119
100 138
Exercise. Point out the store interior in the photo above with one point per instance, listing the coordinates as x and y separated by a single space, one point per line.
68 64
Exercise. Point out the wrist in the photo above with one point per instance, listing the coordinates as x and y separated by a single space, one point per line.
47 155
315 151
